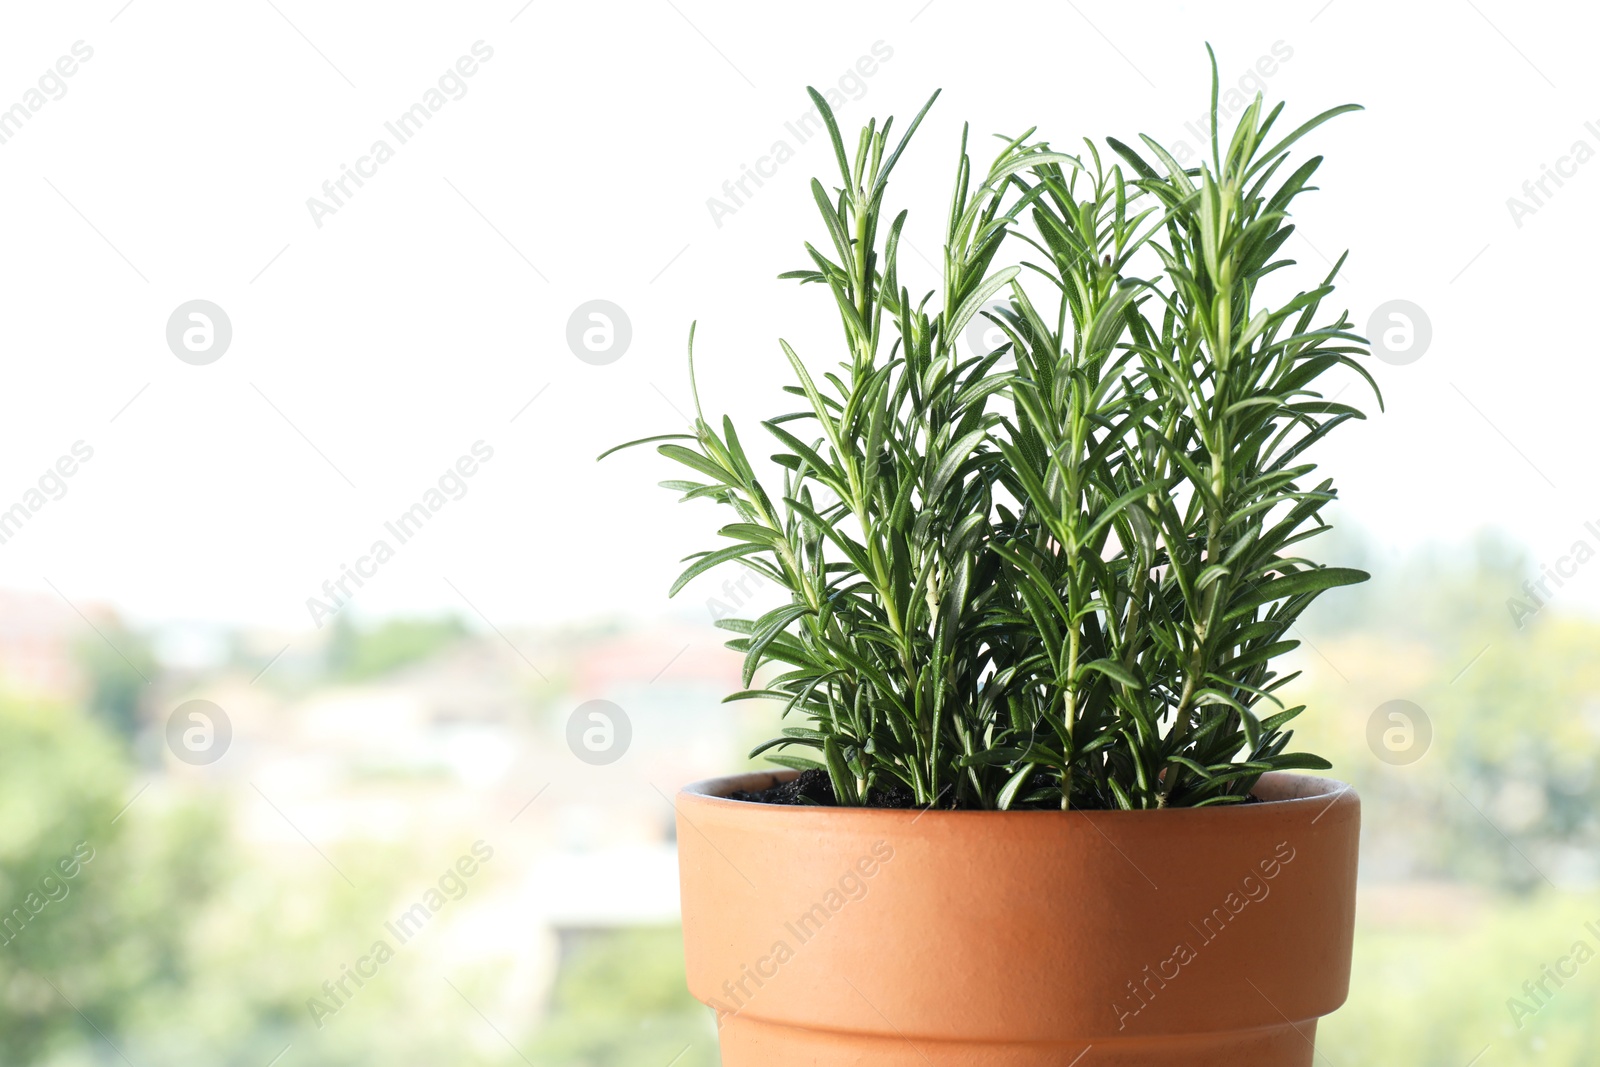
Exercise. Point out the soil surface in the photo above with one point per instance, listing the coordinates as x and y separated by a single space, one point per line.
815 789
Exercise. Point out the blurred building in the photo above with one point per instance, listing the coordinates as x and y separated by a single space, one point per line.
39 635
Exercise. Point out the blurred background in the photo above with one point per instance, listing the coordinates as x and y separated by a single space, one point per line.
242 746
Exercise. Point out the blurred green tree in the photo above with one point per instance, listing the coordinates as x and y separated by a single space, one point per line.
116 668
93 930
620 1001
1506 793
355 654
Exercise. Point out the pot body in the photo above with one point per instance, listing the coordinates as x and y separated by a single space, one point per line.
1212 937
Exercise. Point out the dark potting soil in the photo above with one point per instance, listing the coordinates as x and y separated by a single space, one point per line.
814 788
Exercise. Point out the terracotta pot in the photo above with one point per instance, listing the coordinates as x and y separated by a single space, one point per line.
1189 938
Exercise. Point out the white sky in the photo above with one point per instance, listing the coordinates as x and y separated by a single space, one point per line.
433 305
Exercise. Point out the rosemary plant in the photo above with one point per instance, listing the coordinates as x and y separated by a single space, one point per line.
1063 585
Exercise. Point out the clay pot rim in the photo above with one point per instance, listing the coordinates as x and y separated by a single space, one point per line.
1283 790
